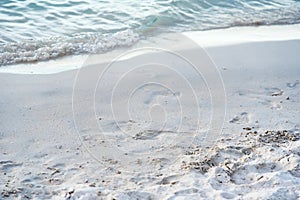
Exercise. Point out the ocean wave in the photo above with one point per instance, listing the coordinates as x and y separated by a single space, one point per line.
41 30
54 47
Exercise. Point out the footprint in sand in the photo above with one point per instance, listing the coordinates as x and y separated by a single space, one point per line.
227 195
169 180
187 191
7 165
220 157
270 103
163 95
293 85
221 178
284 194
191 194
147 134
268 91
242 118
275 105
135 195
266 96
252 173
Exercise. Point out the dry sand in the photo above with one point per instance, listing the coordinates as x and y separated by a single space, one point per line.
60 140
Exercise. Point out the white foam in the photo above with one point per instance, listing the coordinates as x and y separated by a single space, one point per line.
56 47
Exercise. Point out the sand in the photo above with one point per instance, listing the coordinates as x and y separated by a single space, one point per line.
158 132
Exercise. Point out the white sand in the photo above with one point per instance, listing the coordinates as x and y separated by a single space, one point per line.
59 138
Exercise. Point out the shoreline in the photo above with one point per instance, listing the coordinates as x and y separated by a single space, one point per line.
207 39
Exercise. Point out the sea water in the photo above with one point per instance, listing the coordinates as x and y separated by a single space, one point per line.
35 30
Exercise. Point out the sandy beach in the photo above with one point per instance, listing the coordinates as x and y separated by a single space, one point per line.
141 123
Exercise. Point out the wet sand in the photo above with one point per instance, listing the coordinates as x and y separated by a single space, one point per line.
59 139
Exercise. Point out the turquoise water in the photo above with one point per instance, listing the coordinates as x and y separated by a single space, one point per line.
33 30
